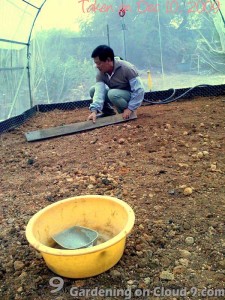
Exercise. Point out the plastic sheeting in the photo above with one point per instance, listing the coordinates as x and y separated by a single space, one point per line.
16 18
16 22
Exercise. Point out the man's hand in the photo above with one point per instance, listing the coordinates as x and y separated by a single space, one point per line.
126 114
93 116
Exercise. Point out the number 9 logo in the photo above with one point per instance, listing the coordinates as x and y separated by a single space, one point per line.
56 282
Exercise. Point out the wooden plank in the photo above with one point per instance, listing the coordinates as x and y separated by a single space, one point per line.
76 127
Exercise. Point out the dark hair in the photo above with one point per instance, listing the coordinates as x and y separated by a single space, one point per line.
103 52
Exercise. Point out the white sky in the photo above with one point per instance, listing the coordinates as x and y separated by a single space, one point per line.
61 14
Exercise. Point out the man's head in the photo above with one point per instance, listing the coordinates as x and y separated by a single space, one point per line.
104 58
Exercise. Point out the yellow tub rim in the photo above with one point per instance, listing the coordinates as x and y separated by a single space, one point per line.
53 251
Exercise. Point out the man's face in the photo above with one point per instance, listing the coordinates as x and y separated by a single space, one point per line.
103 66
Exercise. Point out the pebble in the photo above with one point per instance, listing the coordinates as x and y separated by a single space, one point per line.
158 207
121 141
186 226
115 274
20 289
171 192
165 261
184 262
189 240
23 275
185 253
125 192
187 191
139 247
18 265
213 167
10 221
179 269
69 179
171 233
166 275
148 253
200 155
143 262
38 255
8 266
122 164
93 179
183 165
141 226
220 277
168 126
205 153
222 264
147 280
139 253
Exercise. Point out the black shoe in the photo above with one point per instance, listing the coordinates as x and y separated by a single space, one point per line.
106 114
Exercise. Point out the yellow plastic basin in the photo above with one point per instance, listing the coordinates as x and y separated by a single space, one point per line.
111 217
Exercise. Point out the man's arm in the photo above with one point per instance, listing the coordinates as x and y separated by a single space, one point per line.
137 93
137 96
99 97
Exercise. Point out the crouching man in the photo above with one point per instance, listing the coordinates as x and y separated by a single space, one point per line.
117 84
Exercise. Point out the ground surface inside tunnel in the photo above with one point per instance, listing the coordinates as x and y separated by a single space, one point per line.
168 165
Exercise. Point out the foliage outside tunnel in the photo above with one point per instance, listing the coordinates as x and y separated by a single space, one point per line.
180 50
190 43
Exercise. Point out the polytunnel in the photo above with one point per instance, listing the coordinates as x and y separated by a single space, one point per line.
144 196
45 50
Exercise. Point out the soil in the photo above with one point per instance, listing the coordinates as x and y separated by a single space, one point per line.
168 165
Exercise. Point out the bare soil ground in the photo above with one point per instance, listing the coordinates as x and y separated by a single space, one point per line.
168 165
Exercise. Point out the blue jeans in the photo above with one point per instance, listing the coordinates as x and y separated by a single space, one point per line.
116 97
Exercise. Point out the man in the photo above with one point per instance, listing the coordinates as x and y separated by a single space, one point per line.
117 83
